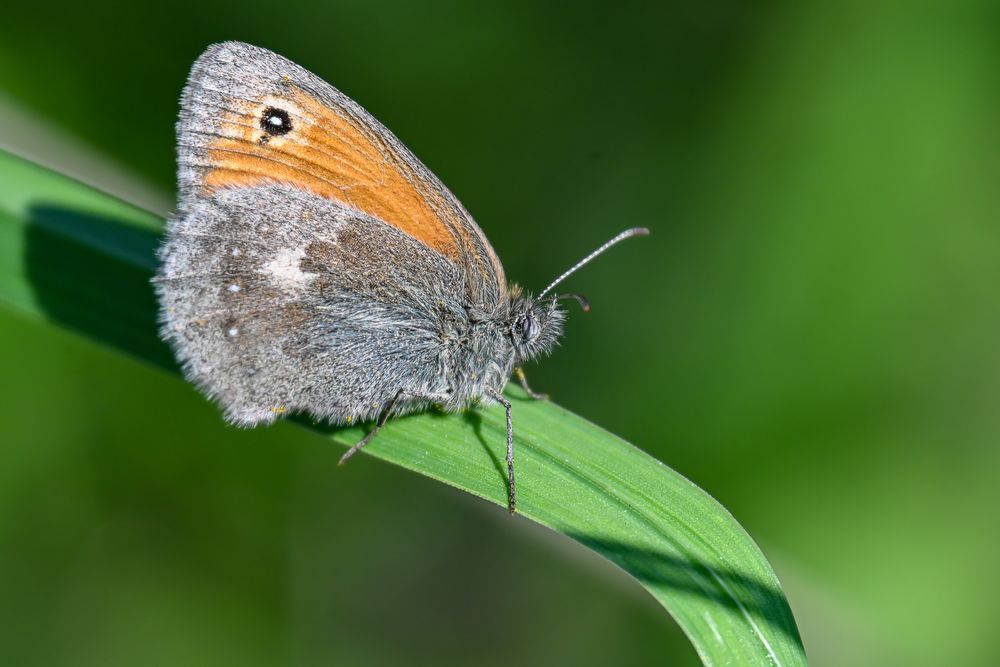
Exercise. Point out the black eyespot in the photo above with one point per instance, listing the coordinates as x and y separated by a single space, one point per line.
276 121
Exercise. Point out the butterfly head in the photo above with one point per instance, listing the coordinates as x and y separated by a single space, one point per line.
535 327
537 322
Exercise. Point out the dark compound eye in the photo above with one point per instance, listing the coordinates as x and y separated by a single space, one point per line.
529 328
276 121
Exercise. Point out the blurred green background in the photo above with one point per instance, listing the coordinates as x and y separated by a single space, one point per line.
810 334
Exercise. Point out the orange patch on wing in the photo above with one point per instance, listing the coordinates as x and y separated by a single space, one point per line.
334 156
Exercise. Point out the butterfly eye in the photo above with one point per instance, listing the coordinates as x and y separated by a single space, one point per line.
276 121
529 328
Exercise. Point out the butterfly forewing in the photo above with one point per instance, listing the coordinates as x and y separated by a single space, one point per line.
250 117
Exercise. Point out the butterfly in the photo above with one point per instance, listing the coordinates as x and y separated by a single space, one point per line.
314 265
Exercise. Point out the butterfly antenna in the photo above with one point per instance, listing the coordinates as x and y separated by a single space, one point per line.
628 233
579 298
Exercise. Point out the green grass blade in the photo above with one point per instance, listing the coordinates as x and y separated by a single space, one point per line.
81 259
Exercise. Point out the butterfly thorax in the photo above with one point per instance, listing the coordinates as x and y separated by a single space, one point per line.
481 351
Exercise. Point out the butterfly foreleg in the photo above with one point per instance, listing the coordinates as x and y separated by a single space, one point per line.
522 379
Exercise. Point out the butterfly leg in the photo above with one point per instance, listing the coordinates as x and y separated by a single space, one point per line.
511 487
382 419
402 394
523 381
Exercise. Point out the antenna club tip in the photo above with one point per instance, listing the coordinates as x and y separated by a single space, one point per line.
639 231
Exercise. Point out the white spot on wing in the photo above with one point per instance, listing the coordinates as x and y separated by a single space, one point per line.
284 269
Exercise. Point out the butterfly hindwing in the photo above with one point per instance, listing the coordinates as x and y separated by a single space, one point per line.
269 317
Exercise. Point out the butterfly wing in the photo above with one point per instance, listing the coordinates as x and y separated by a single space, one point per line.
314 264
331 315
250 117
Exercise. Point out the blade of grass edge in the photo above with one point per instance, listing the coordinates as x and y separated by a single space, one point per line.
78 258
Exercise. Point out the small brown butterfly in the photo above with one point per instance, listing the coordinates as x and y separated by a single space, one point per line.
315 265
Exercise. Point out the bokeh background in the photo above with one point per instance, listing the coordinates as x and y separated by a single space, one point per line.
810 334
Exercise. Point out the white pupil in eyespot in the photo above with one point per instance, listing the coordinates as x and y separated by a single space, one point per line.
276 121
